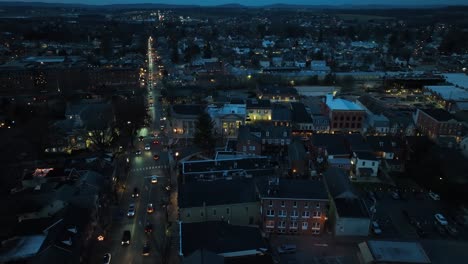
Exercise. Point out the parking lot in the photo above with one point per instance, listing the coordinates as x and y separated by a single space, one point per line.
412 216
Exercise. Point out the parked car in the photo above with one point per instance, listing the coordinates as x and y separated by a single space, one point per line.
441 219
126 237
131 210
434 196
395 195
107 258
287 249
451 230
376 228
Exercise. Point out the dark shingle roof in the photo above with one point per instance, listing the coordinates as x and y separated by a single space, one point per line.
194 194
280 113
293 188
219 237
356 142
296 150
439 114
299 113
334 143
354 208
384 143
365 155
338 183
257 103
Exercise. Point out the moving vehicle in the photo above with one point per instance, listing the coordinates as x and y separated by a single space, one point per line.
126 237
148 227
131 210
138 152
147 147
146 249
154 179
150 208
156 157
395 195
107 258
287 249
376 228
140 138
441 219
136 193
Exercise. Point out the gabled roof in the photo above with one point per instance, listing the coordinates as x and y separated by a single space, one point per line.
258 103
384 143
299 113
220 238
334 143
281 112
365 155
338 184
438 114
296 150
221 192
357 142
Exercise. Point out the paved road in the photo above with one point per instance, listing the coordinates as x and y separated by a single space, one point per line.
142 166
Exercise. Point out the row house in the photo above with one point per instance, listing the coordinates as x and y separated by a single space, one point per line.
258 110
278 94
263 139
292 206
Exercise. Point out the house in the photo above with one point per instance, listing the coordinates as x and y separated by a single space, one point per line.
437 123
330 150
378 124
273 139
382 251
365 164
298 160
281 115
344 115
278 94
80 119
319 67
248 142
390 150
234 201
184 118
221 238
302 120
348 214
292 206
258 110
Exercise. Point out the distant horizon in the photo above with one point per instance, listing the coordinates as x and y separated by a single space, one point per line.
259 3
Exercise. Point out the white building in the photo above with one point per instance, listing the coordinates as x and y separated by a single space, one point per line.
365 164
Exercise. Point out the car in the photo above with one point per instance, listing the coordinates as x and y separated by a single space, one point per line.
434 196
451 230
126 237
148 228
147 147
287 249
146 249
107 258
156 157
395 195
154 179
156 142
138 152
150 208
376 228
441 219
131 210
140 138
135 193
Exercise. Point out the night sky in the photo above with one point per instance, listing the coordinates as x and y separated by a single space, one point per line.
266 2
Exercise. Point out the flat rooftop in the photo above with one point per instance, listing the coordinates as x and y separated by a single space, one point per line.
458 79
397 252
449 92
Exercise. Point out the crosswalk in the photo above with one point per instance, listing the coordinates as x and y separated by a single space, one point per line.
150 168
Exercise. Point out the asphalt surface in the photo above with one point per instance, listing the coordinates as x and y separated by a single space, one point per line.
142 167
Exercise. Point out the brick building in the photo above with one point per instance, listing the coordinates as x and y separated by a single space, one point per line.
344 115
293 206
437 122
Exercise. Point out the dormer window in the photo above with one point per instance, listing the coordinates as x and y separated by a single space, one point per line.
381 143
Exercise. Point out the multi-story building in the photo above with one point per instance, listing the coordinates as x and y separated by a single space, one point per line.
344 115
234 201
228 118
278 94
293 206
183 119
437 122
258 110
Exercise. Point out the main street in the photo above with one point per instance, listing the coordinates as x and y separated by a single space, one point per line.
143 163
